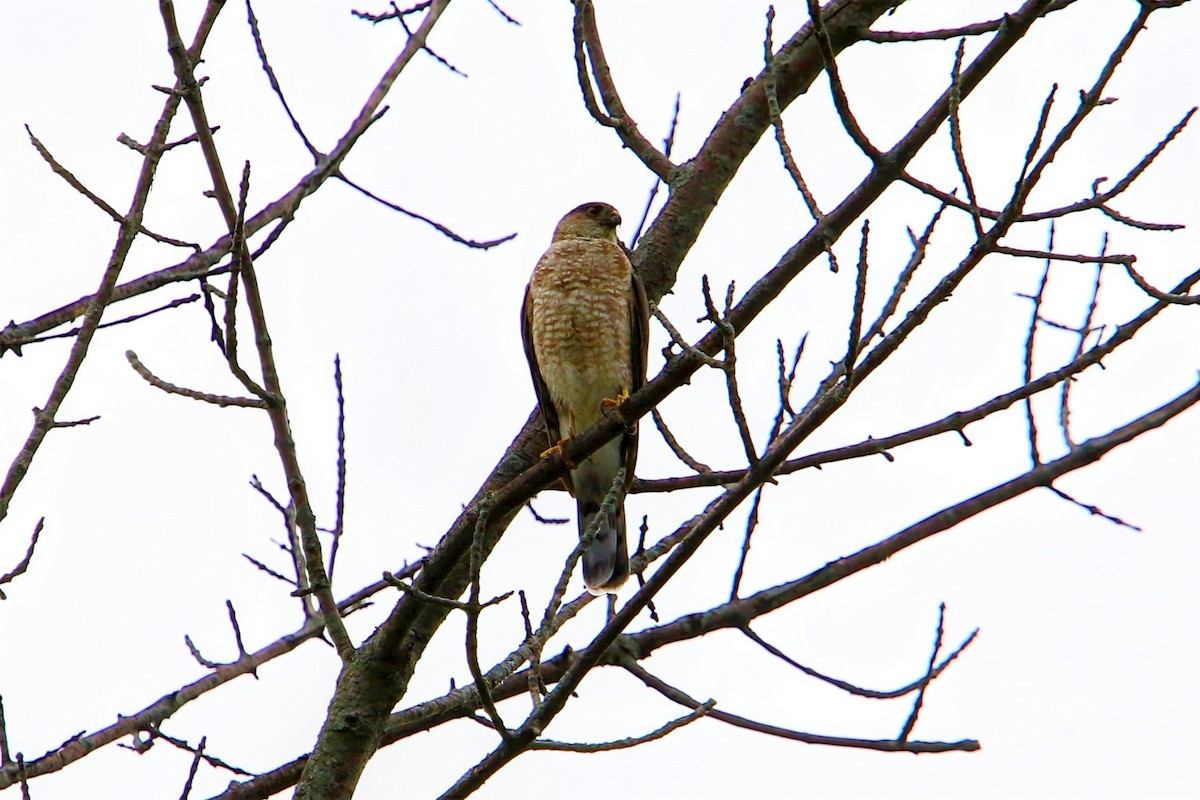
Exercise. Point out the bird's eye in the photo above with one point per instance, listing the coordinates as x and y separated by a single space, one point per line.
593 210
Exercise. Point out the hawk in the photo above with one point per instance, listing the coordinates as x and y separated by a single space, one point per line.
585 325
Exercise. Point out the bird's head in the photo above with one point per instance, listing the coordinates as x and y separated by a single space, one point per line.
589 221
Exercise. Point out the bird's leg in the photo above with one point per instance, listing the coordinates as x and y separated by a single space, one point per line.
558 449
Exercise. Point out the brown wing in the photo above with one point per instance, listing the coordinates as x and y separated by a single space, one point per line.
549 415
639 344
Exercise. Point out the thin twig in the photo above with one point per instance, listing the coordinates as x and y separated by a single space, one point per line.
507 18
439 227
886 745
187 787
196 654
395 13
473 611
1094 510
1035 144
237 254
23 564
216 399
840 102
975 29
668 145
785 379
293 548
632 741
785 150
675 446
587 40
182 301
911 722
340 501
751 524
75 423
956 144
678 339
274 81
536 687
23 776
1097 201
919 246
211 760
264 568
1077 258
243 654
729 365
98 201
640 558
545 520
1037 299
1174 299
5 759
859 691
237 633
215 335
128 141
860 297
1081 337
444 602
400 16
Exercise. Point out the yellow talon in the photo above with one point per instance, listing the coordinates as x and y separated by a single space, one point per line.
609 403
558 450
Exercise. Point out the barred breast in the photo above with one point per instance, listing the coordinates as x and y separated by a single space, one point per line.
580 293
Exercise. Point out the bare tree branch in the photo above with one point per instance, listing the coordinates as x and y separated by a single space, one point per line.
170 388
22 565
976 29
276 405
886 745
587 39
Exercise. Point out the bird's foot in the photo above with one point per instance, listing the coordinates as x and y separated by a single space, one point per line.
609 403
558 450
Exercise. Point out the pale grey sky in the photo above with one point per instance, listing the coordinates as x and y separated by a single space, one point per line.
1082 682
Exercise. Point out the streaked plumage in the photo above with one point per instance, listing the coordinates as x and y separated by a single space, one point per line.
585 324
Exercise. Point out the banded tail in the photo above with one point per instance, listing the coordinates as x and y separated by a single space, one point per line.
606 558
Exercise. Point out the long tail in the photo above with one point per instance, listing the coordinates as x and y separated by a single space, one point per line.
606 558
